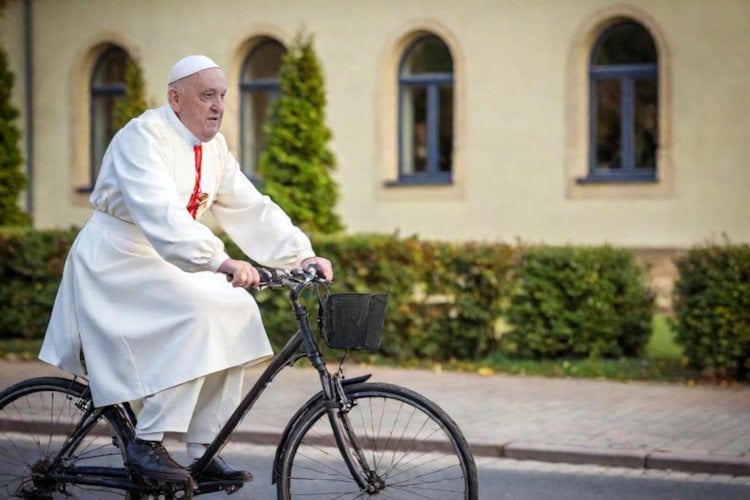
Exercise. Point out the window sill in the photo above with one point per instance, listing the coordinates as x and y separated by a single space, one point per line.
422 180
618 178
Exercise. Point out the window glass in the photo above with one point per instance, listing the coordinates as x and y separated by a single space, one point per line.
414 123
608 120
624 104
446 129
625 43
428 55
646 125
264 61
259 86
426 112
107 87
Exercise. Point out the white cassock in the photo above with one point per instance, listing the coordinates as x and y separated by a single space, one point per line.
140 297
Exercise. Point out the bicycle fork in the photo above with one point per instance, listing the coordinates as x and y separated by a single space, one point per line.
347 440
337 408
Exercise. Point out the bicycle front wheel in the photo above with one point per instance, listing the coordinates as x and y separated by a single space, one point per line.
42 457
403 445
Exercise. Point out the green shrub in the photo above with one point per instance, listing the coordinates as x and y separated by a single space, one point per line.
712 309
443 298
133 103
297 164
32 265
12 178
575 302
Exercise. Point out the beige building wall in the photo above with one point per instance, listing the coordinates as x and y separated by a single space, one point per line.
520 108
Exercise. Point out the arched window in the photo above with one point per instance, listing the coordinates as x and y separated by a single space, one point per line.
107 86
624 104
259 86
426 112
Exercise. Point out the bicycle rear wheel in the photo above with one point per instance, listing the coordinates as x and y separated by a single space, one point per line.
414 449
38 417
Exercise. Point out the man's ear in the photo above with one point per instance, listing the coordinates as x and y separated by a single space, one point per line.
173 98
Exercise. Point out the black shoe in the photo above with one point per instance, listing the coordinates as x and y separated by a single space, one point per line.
218 470
151 459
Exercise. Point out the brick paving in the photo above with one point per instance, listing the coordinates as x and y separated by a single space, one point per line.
701 429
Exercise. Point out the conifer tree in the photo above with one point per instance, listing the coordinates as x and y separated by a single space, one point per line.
296 166
134 101
12 179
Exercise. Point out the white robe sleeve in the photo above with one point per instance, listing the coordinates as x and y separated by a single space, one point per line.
259 226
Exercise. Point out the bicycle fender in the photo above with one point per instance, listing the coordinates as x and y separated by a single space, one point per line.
293 422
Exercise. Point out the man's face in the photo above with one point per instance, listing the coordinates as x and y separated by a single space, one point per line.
198 101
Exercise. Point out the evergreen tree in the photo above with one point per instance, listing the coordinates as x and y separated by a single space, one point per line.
296 165
12 179
134 101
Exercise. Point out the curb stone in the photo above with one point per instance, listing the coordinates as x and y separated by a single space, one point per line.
637 425
633 459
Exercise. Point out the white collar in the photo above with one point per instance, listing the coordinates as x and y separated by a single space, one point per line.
181 128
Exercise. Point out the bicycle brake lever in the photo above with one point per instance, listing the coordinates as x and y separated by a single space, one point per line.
313 270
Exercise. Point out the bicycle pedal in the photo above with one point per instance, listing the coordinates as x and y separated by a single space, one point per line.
142 480
165 486
228 487
234 488
188 485
187 489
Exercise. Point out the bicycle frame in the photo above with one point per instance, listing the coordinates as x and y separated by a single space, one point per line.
332 390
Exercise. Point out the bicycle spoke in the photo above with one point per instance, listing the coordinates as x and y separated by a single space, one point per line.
39 418
411 448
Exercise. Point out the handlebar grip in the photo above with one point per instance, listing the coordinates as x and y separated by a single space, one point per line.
266 275
312 268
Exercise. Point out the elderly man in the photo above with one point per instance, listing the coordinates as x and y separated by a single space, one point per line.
144 300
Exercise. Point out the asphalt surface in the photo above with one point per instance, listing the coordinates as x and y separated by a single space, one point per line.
698 429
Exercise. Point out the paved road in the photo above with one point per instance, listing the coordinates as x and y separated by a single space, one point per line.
505 479
633 425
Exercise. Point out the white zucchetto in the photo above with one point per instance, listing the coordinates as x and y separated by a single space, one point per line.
188 66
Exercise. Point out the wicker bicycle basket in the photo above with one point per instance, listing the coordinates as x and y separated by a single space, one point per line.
354 320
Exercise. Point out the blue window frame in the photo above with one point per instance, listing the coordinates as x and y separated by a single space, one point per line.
106 88
259 87
426 113
624 103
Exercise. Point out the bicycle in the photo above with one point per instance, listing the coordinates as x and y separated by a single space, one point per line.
353 439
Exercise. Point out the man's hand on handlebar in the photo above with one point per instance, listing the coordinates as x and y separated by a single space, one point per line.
242 273
322 267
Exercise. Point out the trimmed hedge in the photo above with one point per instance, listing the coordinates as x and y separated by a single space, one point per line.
31 265
466 301
443 298
577 302
712 309
446 300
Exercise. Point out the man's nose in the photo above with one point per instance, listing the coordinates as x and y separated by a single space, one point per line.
218 103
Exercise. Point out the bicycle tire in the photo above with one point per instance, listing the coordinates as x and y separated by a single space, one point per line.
37 417
414 447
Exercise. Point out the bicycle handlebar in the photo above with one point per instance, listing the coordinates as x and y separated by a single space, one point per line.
286 278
